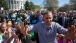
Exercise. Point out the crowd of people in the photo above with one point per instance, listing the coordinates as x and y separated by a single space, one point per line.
37 27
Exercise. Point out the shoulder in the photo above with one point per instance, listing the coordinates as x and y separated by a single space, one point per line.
36 25
54 23
40 23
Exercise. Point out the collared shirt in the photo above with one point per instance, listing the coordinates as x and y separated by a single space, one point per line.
63 21
47 34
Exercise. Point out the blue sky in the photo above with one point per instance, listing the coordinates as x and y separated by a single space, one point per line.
39 2
62 2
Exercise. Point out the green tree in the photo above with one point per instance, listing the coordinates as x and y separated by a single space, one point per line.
37 7
65 7
73 4
32 6
3 4
29 5
51 4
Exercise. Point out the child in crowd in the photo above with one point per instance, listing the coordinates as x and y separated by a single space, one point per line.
62 39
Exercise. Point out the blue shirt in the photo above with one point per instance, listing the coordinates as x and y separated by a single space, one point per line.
47 34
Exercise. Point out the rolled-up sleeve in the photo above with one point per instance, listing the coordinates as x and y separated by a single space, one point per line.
33 28
61 29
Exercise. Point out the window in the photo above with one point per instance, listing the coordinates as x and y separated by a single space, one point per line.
14 2
17 2
21 7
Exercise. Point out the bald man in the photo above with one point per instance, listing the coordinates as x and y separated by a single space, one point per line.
46 30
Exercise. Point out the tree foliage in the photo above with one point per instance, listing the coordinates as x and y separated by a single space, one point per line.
27 5
73 3
51 4
65 7
3 4
37 7
31 6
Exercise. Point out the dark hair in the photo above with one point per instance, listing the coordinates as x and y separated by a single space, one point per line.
46 12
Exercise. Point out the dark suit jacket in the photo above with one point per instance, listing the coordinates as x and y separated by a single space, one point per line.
59 20
65 23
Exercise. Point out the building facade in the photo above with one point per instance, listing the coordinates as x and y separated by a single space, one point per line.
15 4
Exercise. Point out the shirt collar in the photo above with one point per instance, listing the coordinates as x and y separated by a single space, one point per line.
48 26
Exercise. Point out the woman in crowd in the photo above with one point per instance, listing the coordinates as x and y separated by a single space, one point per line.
7 35
3 28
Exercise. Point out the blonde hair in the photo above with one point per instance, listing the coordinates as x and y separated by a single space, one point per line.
3 23
9 23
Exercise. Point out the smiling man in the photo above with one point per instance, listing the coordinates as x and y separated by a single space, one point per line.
47 29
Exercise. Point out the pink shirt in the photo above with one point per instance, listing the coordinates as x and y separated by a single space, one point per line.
61 41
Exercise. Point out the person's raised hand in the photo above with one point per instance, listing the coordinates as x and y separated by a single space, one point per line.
23 29
71 33
14 35
9 29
